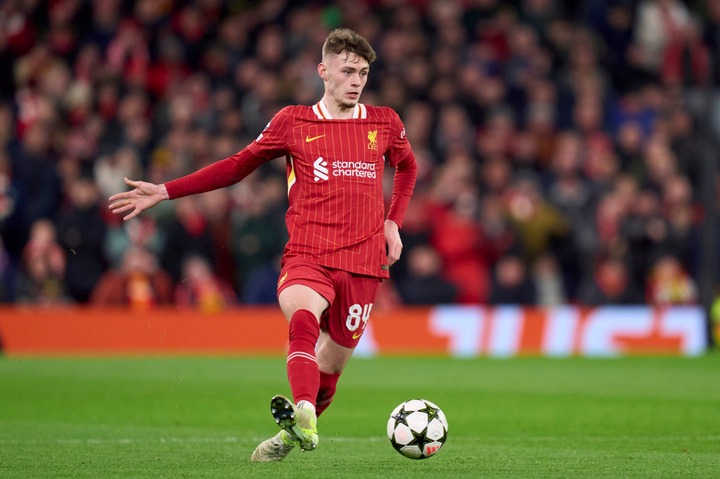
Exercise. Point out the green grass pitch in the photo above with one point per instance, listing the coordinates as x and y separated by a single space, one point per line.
202 417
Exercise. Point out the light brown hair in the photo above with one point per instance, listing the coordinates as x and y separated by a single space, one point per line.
346 40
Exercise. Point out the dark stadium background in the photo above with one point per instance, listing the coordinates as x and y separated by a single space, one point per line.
568 149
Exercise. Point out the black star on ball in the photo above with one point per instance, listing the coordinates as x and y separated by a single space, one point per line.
401 416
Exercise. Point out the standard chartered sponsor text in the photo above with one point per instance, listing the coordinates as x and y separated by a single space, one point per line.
358 169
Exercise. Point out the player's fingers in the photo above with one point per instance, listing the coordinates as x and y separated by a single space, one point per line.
117 197
121 208
124 194
132 215
393 255
130 182
117 201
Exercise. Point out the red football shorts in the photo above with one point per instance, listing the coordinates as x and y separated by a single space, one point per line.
350 295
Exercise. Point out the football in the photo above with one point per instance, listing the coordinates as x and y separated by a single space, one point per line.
417 428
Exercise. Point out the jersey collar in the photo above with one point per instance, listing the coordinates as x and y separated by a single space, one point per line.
322 112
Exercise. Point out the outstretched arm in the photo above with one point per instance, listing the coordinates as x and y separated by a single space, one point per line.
270 144
144 196
216 175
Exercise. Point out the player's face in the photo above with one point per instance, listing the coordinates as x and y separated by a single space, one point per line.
345 76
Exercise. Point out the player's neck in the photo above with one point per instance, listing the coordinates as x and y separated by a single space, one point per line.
338 112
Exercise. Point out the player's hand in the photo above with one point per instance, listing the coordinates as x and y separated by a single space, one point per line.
144 196
394 243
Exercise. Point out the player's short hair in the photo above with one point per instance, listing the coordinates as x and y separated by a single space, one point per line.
346 40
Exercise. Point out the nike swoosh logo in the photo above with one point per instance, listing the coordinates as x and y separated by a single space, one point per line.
309 138
357 335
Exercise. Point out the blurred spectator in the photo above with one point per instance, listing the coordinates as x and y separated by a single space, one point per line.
9 198
669 283
613 21
36 181
42 276
629 146
257 234
524 52
660 163
541 225
456 235
454 131
263 287
169 69
511 283
81 232
496 138
526 154
633 106
138 282
201 289
106 16
424 283
217 205
573 195
686 59
127 54
187 234
683 216
645 233
687 144
550 289
656 23
611 283
496 174
112 168
583 84
143 233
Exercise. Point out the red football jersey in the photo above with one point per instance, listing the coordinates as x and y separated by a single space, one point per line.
335 168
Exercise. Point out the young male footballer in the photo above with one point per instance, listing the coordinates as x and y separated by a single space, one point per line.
341 244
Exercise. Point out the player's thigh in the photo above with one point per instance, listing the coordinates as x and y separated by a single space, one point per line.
304 285
299 296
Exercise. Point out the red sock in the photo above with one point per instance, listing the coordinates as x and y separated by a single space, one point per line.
328 382
302 366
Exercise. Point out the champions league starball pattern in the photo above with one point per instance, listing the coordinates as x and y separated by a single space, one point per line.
417 428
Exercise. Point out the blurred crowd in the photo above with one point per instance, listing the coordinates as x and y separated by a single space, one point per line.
560 145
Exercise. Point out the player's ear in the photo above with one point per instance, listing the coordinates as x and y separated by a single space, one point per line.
322 71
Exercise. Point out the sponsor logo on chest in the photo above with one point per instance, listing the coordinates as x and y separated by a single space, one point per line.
324 169
320 169
349 169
